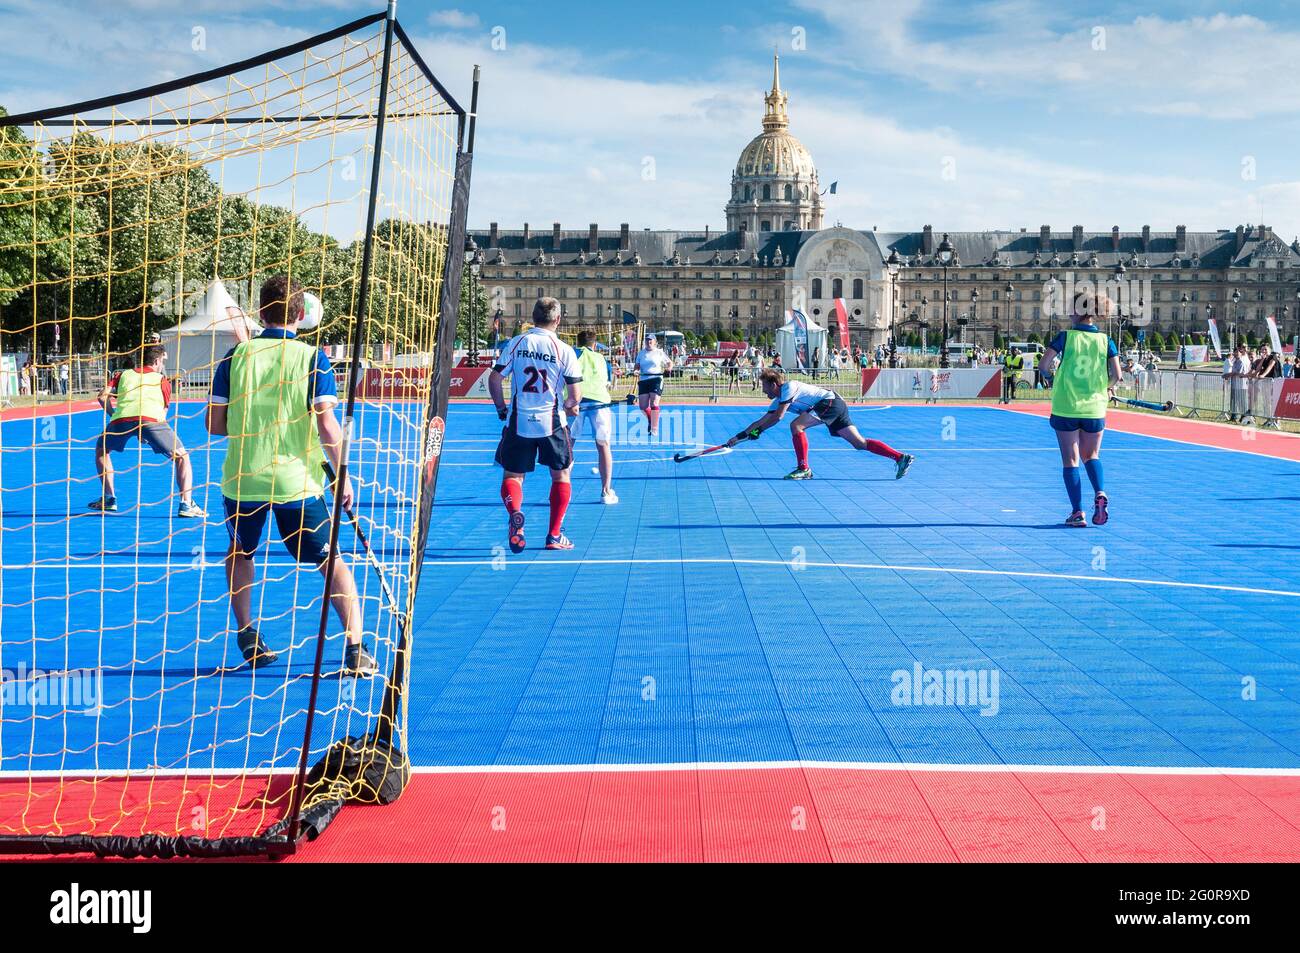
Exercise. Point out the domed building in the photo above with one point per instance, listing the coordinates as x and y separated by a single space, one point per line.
775 256
774 187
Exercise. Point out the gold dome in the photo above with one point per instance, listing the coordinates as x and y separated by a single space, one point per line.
774 151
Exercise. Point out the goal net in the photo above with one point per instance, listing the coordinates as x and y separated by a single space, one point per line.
130 720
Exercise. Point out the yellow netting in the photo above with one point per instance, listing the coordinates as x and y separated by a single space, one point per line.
126 226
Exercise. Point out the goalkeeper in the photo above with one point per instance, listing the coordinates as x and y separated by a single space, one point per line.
138 399
273 397
812 406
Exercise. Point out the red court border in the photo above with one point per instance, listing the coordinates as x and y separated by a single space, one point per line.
794 813
1267 443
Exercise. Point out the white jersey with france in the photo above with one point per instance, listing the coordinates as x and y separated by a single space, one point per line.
539 366
652 362
800 396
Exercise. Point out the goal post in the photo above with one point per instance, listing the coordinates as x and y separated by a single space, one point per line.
131 722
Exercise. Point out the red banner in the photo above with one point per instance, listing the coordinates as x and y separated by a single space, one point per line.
1288 399
394 383
468 382
842 318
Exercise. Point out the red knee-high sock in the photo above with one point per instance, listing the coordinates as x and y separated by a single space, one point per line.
559 503
883 449
801 449
649 416
512 494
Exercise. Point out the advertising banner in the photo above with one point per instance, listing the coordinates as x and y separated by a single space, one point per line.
931 382
842 317
1214 337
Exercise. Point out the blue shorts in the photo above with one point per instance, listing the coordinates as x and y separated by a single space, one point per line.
1071 424
304 526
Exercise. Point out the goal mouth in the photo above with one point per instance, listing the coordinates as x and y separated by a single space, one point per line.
181 600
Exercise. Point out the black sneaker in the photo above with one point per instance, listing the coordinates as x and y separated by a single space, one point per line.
256 654
517 531
105 504
359 663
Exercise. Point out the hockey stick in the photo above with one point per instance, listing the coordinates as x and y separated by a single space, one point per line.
629 400
370 553
683 457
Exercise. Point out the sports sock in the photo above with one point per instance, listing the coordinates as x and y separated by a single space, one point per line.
1094 474
649 416
1073 486
801 449
654 419
883 449
559 503
512 494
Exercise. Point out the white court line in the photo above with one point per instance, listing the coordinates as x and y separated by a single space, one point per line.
885 567
996 768
545 563
172 568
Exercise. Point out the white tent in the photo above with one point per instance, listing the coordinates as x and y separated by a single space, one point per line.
200 341
787 344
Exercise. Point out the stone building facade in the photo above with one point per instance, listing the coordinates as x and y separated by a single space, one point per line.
776 255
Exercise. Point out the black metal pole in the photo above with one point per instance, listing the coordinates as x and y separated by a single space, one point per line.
440 377
943 354
358 340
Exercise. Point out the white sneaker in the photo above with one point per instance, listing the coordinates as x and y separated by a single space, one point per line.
608 497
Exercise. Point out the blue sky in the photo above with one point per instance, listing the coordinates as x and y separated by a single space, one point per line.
960 115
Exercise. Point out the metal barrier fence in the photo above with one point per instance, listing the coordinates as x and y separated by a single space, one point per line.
1206 395
81 374
707 382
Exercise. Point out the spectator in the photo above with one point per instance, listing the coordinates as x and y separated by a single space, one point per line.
63 378
1236 373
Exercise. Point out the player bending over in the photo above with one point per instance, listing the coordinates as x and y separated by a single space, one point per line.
812 406
540 366
138 400
594 411
652 363
273 398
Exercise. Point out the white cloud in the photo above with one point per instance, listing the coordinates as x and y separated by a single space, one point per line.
454 19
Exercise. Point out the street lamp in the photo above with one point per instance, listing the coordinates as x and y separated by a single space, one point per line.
925 313
1009 290
474 259
945 259
892 264
1236 316
975 309
1116 315
1182 335
1053 298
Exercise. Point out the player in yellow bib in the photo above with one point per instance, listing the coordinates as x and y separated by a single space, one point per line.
1081 386
273 398
594 411
138 399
